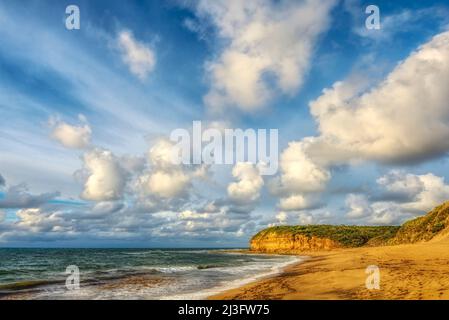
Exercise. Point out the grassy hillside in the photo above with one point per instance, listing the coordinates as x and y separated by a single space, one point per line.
424 228
347 236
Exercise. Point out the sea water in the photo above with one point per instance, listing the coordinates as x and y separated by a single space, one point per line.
131 273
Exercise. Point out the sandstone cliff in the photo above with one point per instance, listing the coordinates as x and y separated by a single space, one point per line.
295 239
274 243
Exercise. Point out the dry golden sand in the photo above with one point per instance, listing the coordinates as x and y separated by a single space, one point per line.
416 271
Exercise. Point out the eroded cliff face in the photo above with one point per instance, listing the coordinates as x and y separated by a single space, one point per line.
285 243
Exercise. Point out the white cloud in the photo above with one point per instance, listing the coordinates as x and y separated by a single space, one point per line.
106 207
139 57
282 217
299 173
38 220
76 137
300 177
294 202
424 191
403 119
264 38
166 184
160 155
165 179
375 213
416 195
192 215
386 214
18 196
403 21
106 178
358 205
305 219
247 189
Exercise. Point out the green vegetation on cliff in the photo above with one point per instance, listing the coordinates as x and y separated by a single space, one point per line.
425 227
285 238
347 236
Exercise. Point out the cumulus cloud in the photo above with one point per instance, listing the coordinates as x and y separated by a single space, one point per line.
268 43
38 220
424 191
160 155
413 195
106 178
282 217
71 136
107 220
165 183
305 219
358 205
165 179
402 119
247 189
193 215
294 202
107 207
297 218
2 181
299 173
300 177
19 197
138 56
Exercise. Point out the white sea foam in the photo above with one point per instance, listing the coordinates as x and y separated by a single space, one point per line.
178 282
250 277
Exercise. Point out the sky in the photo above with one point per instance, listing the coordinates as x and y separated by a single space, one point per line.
86 115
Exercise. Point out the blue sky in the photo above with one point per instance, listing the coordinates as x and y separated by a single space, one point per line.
362 115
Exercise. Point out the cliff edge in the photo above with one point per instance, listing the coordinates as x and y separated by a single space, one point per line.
296 239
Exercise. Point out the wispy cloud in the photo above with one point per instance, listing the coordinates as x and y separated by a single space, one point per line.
140 57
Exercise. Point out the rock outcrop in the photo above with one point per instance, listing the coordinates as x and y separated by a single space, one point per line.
296 239
291 243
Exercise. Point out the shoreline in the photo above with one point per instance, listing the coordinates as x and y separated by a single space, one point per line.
205 294
413 271
144 285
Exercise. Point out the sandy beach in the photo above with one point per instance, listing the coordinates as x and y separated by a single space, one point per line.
416 271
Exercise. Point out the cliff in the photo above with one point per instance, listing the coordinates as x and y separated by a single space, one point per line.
430 226
295 239
275 243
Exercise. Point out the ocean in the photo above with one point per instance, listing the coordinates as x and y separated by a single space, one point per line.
131 273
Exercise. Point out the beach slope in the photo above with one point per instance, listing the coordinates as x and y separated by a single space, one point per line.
415 271
413 261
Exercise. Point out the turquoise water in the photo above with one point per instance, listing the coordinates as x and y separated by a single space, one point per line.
130 273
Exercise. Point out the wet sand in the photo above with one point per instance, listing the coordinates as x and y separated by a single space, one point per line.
417 271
